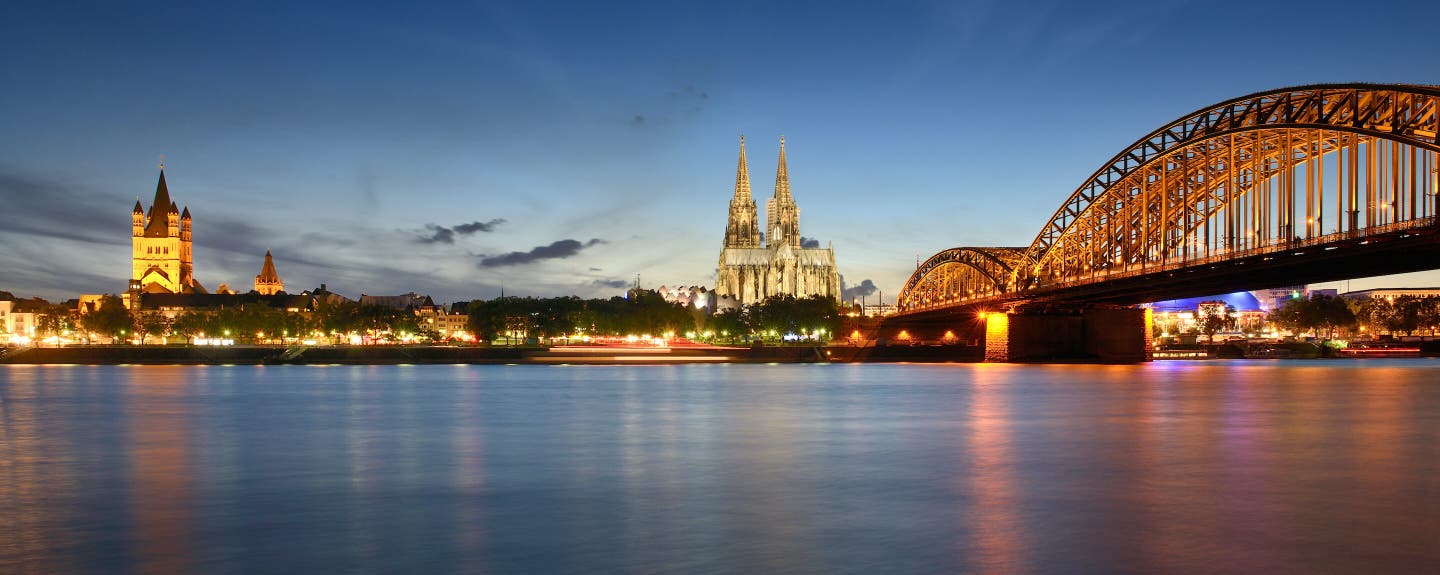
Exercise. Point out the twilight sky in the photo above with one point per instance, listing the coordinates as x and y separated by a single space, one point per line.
563 148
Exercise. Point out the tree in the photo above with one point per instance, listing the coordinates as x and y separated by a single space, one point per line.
54 320
152 323
1329 312
1215 316
190 324
1291 316
110 319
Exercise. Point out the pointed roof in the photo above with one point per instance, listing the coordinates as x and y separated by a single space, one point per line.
139 209
742 174
158 225
782 175
185 215
267 272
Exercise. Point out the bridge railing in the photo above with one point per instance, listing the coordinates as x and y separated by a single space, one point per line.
1274 245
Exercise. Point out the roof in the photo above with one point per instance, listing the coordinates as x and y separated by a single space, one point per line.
1241 301
33 305
267 271
809 257
406 301
158 225
215 301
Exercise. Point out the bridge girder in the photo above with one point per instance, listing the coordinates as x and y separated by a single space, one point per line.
962 273
1225 181
1409 114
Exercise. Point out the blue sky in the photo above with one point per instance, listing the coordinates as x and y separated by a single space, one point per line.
342 135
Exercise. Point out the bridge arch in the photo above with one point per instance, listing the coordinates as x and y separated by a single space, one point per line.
1169 196
1277 171
962 273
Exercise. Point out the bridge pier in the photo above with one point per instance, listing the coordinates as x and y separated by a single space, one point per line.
1104 334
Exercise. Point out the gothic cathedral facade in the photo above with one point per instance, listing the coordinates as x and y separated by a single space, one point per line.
755 266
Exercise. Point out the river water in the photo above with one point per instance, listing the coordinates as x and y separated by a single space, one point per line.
1169 467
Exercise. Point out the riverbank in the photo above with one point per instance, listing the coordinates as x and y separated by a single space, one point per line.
383 355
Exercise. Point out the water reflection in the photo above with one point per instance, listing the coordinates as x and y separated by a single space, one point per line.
35 482
1171 467
994 503
160 472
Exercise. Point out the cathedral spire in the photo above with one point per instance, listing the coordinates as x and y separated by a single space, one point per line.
782 216
743 229
782 174
742 174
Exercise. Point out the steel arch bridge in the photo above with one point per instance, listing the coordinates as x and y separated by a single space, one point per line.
1263 180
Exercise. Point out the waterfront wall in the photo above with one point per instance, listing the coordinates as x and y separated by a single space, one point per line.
255 355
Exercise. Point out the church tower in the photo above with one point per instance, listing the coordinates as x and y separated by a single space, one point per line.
268 282
743 230
782 216
161 257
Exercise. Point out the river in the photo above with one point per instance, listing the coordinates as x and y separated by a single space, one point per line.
1168 467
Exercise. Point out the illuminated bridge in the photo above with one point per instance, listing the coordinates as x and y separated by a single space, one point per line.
1298 185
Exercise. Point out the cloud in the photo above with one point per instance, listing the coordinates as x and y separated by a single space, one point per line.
809 242
51 208
865 289
617 284
557 250
442 235
477 226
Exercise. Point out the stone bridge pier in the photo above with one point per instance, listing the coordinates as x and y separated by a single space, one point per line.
1100 334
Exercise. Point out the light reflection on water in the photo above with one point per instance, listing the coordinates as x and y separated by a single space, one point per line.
1270 466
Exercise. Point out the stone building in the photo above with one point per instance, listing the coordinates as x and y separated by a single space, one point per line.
753 266
162 260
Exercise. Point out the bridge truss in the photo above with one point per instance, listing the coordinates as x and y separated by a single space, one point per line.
1270 172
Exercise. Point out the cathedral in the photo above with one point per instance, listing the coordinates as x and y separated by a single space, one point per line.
161 257
754 266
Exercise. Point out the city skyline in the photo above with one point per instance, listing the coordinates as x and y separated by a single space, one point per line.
556 150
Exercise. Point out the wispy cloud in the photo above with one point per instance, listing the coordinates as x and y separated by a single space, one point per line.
557 250
439 234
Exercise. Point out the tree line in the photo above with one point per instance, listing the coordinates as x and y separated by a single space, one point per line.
1327 315
250 323
643 312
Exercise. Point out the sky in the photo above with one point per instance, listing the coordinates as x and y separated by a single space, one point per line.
557 148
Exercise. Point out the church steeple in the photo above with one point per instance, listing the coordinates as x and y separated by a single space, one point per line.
268 282
743 229
782 215
157 224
